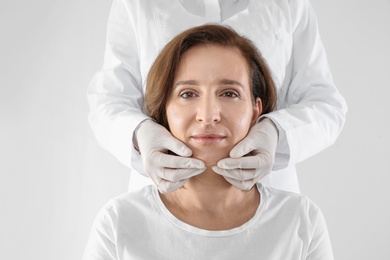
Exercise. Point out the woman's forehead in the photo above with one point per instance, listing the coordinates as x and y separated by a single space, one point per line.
212 65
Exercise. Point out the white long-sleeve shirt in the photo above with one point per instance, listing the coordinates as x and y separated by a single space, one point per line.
137 225
310 111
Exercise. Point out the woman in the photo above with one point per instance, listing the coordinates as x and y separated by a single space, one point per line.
310 111
208 87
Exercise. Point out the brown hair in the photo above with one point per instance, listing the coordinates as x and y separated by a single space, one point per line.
162 73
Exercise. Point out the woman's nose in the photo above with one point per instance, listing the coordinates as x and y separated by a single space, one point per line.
208 112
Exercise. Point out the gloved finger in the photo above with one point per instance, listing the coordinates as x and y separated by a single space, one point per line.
238 174
175 175
173 161
242 185
243 147
167 187
176 146
261 160
155 178
262 136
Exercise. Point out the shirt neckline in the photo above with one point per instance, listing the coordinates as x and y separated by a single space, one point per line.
208 233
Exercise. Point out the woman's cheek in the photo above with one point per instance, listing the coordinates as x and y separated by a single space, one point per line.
243 123
176 119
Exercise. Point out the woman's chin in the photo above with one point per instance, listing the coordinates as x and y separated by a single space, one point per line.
210 158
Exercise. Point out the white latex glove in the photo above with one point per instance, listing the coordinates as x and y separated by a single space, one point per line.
168 172
252 158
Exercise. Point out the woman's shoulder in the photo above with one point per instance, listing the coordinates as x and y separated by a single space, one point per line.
130 203
288 201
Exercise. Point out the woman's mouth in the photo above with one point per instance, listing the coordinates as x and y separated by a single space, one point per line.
208 139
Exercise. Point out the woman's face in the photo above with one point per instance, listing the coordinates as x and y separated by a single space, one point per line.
210 108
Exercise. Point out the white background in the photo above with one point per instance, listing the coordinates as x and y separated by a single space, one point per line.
54 177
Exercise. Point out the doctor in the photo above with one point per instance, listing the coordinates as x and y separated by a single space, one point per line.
310 111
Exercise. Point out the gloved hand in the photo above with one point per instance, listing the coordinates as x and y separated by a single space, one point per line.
168 172
252 158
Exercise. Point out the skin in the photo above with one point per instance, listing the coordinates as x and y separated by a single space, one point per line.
210 110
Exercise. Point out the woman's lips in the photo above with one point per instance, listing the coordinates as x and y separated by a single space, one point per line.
208 139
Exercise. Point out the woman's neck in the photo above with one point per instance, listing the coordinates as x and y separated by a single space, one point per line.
209 202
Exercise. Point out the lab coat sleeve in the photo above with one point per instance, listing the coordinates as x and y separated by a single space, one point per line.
115 94
313 112
102 239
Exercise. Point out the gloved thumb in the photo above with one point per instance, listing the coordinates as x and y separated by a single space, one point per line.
177 147
244 147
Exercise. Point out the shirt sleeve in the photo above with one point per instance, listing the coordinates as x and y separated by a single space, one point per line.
115 94
319 247
101 243
313 112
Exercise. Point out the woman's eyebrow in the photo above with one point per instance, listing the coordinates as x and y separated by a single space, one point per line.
230 82
195 83
186 83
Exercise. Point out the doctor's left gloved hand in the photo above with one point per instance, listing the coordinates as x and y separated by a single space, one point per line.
252 158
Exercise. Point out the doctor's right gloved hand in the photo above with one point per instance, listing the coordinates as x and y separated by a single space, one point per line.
168 172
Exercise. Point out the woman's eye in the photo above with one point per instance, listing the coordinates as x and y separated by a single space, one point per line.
230 94
187 95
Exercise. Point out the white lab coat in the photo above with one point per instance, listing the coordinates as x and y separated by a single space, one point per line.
310 111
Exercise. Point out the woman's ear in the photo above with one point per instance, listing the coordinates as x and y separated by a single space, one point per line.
257 109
